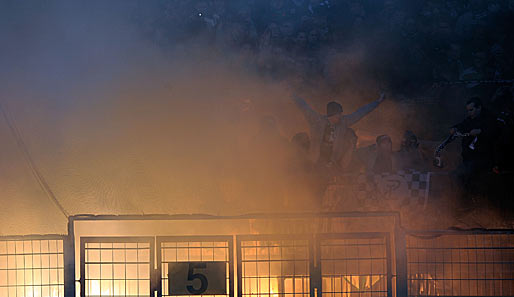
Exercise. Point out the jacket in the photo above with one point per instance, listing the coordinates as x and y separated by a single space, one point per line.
317 123
479 146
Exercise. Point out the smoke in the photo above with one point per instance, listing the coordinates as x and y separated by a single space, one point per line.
120 124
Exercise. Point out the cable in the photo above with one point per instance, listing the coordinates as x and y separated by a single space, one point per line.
37 174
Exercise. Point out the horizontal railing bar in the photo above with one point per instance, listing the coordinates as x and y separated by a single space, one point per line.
461 248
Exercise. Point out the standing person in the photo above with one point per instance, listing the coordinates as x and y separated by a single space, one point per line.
376 158
410 155
383 161
329 132
477 148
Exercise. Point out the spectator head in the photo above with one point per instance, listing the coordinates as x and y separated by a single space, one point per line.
287 29
274 31
384 144
409 141
474 107
301 142
301 39
334 112
313 37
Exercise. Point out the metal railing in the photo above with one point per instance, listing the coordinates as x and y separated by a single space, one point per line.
112 266
472 263
355 264
274 265
32 266
175 249
393 263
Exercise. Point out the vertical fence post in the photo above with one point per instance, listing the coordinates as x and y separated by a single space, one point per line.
315 266
401 262
69 261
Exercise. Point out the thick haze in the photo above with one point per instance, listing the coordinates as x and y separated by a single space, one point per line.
119 125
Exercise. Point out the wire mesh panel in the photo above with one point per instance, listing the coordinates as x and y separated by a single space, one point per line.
273 267
193 249
354 265
461 265
116 266
31 267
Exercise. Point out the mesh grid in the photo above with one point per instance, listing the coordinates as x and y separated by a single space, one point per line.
117 269
274 268
193 251
461 265
353 267
31 268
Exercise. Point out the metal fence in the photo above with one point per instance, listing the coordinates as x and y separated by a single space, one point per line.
274 266
32 266
461 264
116 266
327 264
173 249
355 265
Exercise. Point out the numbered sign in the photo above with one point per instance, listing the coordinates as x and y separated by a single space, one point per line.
197 278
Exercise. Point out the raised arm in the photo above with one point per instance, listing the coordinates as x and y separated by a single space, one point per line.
364 110
309 114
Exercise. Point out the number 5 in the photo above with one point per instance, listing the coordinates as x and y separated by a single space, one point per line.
191 276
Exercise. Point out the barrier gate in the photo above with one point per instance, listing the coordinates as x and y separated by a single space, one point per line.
267 265
331 255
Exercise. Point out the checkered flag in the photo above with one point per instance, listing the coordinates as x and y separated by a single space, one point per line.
411 187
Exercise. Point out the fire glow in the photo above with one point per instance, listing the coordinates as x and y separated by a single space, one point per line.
31 268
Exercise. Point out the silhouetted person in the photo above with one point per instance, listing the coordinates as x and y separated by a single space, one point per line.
383 162
329 132
376 158
410 155
477 148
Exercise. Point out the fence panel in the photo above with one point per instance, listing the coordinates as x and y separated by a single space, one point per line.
461 264
32 266
189 249
116 266
355 265
274 266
